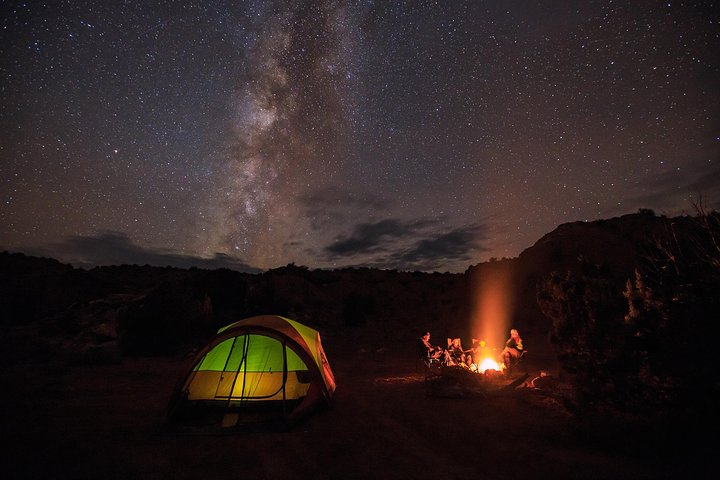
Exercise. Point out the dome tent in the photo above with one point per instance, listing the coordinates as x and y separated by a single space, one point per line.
263 369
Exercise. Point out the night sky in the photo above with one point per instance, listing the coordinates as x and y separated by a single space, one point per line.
410 135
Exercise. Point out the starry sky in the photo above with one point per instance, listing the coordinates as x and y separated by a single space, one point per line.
409 135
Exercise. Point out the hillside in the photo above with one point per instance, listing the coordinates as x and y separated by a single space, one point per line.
144 309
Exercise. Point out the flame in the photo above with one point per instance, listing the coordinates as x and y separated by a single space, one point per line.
489 364
493 303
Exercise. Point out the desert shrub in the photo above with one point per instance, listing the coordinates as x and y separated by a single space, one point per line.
171 317
646 345
673 314
588 331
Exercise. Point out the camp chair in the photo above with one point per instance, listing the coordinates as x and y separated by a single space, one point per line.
456 350
431 365
517 362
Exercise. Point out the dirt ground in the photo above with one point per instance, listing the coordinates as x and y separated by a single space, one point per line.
66 419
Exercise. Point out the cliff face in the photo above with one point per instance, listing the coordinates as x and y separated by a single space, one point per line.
134 307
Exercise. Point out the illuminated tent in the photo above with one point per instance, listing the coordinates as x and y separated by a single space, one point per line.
259 369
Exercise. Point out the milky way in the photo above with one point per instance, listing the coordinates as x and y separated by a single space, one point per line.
412 135
290 122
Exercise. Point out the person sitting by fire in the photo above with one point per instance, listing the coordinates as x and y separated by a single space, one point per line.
469 362
429 351
480 350
513 350
457 354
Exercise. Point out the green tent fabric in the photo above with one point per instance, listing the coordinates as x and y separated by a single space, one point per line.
267 361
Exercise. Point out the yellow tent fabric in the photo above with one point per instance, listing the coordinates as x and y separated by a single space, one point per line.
261 360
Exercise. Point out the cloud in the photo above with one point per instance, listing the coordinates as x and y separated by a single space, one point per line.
370 237
333 206
389 243
115 248
455 245
424 245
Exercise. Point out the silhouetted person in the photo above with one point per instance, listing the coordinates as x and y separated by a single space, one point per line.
513 350
428 350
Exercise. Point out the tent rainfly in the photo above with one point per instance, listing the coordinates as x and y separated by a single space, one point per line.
263 369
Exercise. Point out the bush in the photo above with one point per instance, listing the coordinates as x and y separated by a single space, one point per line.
647 345
170 318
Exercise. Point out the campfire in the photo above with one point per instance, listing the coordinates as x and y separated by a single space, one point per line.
484 358
489 364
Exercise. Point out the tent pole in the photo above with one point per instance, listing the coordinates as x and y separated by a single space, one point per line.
243 363
284 380
227 360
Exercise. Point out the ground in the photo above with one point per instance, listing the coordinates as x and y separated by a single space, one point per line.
69 418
